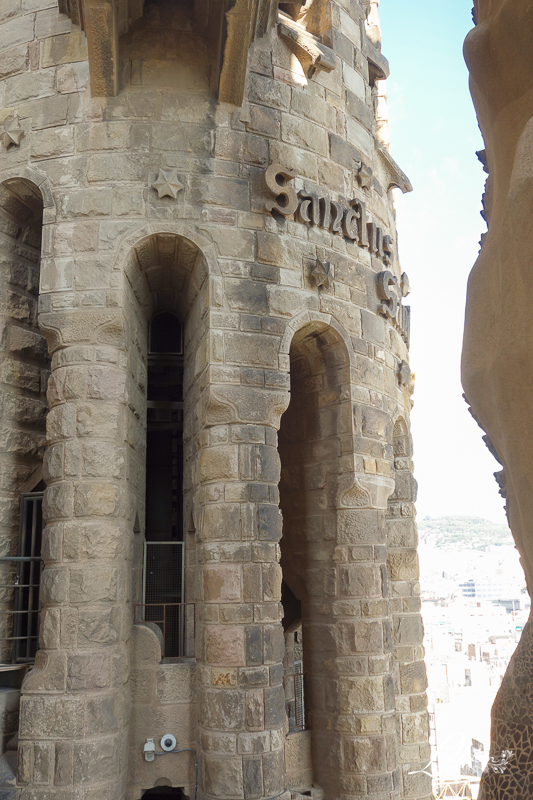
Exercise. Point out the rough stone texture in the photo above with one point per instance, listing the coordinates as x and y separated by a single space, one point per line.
496 367
291 405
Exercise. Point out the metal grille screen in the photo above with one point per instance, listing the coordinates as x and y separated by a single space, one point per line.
163 592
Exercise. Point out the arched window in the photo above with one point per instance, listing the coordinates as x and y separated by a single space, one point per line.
164 563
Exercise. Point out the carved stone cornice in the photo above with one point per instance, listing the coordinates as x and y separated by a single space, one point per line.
308 49
396 177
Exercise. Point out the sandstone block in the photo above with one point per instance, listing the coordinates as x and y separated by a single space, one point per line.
265 121
362 694
273 773
72 77
313 108
358 580
64 761
92 584
88 671
222 583
95 761
252 776
87 203
227 192
251 349
97 419
30 85
104 136
402 533
218 463
13 61
100 459
96 498
52 717
224 646
359 636
106 383
303 133
99 626
17 30
223 709
366 754
408 629
243 148
50 22
414 728
403 566
358 136
413 677
223 777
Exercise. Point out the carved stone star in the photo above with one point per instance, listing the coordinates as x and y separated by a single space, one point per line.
321 273
167 184
12 134
364 176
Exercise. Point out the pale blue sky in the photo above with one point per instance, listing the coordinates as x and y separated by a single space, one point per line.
434 136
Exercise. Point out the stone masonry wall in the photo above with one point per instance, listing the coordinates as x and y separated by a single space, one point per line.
241 280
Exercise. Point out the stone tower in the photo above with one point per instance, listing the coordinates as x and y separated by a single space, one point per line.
205 396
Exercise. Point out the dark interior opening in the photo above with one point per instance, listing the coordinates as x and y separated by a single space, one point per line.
164 793
164 564
164 455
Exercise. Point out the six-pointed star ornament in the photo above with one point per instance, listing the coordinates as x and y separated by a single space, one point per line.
364 176
321 273
167 184
11 134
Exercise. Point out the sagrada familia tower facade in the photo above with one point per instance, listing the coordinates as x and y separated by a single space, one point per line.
208 566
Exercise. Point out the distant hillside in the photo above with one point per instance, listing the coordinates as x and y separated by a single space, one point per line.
463 533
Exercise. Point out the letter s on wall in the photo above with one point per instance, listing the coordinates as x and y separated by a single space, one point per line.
388 293
272 173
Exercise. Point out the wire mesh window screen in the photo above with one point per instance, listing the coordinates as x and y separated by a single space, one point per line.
163 593
20 578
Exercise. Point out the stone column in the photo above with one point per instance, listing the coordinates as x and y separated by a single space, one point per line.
241 644
74 709
349 648
408 633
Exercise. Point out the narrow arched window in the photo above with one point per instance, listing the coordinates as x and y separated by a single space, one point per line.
163 561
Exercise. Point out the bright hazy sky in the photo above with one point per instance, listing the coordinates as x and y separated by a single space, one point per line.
434 136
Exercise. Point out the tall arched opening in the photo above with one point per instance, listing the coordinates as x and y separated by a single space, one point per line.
167 278
24 371
315 432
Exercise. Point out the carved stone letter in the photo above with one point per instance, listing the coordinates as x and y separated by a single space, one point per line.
388 293
272 173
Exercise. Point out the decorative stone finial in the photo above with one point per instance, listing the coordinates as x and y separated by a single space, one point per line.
321 273
167 184
12 134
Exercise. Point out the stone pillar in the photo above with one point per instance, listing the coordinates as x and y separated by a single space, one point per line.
241 645
354 688
409 667
74 709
